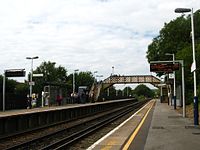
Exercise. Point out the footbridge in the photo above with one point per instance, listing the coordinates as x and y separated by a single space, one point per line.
115 79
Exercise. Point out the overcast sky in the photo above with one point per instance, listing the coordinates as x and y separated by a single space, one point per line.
89 35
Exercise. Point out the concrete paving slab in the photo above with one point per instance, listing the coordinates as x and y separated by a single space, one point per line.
170 131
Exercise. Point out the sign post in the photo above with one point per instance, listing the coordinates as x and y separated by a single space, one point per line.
4 87
183 77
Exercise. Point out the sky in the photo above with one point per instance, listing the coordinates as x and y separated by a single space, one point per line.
89 35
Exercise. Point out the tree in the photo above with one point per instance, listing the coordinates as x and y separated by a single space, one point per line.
81 79
51 75
127 91
175 37
143 90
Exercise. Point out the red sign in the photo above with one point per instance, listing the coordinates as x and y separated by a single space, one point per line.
163 67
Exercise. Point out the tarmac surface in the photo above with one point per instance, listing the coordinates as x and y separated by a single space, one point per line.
170 131
156 126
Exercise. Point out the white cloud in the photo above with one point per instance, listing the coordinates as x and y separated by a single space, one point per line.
85 34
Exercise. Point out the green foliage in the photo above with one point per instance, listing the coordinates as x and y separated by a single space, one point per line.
85 79
143 90
128 91
22 88
175 37
81 79
140 98
13 86
51 75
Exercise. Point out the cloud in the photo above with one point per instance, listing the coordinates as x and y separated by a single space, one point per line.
88 35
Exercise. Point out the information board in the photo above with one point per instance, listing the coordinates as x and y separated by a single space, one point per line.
15 73
164 67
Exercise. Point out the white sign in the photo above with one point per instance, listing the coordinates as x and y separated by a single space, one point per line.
38 75
31 83
171 76
162 84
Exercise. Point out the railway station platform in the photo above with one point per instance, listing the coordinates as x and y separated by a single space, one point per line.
156 126
34 110
14 122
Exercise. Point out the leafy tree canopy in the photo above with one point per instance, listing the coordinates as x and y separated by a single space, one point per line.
143 90
175 37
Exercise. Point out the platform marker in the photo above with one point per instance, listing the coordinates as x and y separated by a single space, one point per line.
115 129
137 130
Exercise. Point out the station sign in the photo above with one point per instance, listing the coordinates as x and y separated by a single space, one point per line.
15 73
32 83
38 75
171 76
164 67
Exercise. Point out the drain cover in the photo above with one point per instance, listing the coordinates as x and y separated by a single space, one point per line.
157 127
192 127
174 116
196 133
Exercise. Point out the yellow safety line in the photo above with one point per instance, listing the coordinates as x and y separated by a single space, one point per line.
136 130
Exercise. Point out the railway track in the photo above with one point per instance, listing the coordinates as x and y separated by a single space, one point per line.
64 137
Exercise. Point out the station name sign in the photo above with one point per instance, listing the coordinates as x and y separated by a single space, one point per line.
164 67
15 73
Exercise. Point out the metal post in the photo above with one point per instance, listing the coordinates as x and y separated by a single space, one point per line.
73 83
196 110
108 92
161 94
74 73
174 73
170 95
94 75
4 87
112 70
183 89
43 93
174 84
31 78
183 78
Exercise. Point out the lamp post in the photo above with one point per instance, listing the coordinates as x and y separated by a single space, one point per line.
74 80
174 79
94 75
113 70
31 77
196 111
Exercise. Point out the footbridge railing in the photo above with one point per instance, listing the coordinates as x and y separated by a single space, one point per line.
115 79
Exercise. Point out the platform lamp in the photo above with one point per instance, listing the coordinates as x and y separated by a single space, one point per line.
94 75
174 79
196 109
31 77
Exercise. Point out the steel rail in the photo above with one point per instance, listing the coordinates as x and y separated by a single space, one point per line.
67 141
27 143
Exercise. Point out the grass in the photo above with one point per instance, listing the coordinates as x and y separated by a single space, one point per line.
189 110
